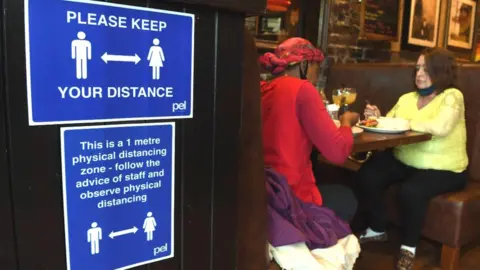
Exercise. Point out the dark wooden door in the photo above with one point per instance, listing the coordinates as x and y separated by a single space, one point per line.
7 233
207 149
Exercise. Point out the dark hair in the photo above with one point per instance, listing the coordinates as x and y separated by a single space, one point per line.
441 67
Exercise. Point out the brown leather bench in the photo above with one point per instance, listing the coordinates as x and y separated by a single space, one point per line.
452 219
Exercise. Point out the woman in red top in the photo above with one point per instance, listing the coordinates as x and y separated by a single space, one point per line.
295 118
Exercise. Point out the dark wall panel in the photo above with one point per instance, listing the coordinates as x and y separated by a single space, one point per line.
252 196
207 146
7 233
228 90
35 163
198 137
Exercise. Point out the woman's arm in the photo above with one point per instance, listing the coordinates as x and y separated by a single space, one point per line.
334 143
447 118
393 111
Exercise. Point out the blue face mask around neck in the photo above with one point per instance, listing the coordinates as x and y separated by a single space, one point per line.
426 91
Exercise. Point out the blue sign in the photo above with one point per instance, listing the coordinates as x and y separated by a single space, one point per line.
118 188
93 61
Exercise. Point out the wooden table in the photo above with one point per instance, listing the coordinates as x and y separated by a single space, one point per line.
369 141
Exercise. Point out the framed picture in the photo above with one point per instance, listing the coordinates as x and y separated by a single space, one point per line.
251 23
476 39
380 19
423 24
461 24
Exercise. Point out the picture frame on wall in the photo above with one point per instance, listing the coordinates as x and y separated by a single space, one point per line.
424 22
461 24
380 19
476 39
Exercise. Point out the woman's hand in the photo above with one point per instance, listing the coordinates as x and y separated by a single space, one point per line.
349 119
371 110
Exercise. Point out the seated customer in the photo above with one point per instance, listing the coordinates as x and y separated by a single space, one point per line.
424 170
294 117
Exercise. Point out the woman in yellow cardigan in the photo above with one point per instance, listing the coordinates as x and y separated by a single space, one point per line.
424 170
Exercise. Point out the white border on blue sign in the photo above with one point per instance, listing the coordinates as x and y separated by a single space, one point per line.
65 203
31 122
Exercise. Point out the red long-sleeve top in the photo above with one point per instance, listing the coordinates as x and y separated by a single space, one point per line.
295 118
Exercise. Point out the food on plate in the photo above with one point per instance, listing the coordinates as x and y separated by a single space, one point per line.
393 123
370 122
386 123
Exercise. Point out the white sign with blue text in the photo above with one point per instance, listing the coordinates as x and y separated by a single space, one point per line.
118 195
92 61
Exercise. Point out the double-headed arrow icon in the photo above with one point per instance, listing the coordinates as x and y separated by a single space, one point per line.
120 58
124 232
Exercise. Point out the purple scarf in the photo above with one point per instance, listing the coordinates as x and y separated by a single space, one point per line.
291 221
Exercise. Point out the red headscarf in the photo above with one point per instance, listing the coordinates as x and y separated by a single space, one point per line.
292 51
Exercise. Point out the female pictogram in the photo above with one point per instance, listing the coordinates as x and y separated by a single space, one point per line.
156 58
149 226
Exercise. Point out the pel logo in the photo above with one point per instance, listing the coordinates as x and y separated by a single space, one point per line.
161 249
181 106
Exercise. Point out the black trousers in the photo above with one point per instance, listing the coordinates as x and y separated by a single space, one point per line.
340 199
417 187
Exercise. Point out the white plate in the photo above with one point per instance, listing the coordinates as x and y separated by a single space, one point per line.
356 130
383 130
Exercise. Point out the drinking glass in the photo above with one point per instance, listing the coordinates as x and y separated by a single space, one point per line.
350 96
338 98
343 97
332 110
